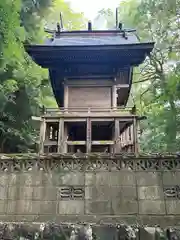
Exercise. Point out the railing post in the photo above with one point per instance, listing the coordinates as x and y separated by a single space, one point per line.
117 137
61 136
88 136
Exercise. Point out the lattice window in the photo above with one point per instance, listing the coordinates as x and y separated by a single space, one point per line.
172 192
72 193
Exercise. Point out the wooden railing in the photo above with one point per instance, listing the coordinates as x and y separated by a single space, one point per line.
87 109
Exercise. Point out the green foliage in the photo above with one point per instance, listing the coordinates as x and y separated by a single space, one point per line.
24 86
156 87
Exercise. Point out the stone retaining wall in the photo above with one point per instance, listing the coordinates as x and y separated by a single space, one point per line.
106 189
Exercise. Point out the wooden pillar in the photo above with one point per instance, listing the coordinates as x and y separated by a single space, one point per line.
88 135
66 97
42 135
135 136
114 97
138 134
65 150
131 137
47 135
117 137
61 136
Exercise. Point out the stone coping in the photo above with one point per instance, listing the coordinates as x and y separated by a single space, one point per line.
4 156
89 162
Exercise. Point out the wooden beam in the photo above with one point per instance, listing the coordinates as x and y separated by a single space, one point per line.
102 119
119 86
89 83
74 119
50 143
34 118
104 142
88 135
52 120
76 142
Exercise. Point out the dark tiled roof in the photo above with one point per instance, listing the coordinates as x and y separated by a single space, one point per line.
93 40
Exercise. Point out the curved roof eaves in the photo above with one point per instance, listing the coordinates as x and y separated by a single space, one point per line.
92 40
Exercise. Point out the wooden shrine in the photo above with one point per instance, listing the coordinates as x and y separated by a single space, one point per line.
91 76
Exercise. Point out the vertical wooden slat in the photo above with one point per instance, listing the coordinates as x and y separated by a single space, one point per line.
88 136
42 136
117 132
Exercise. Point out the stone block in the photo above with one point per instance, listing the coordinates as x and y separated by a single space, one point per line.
72 178
14 179
116 178
171 178
23 207
149 178
29 193
152 207
71 207
31 178
45 193
102 178
173 207
3 179
90 178
3 192
98 207
48 179
3 206
150 193
48 207
99 193
122 178
64 178
25 193
13 192
123 192
124 206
